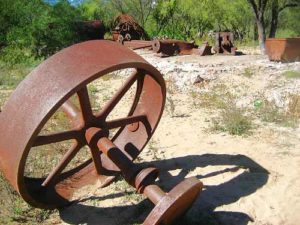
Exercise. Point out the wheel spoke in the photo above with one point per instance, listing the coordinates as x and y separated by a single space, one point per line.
73 113
139 89
54 138
70 154
85 105
118 96
125 121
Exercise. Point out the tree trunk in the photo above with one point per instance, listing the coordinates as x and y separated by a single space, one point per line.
274 19
259 11
255 34
261 35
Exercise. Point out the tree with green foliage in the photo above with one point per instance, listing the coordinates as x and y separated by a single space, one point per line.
37 28
288 23
97 10
32 29
278 6
162 13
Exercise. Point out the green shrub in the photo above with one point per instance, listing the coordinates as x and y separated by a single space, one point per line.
34 29
13 55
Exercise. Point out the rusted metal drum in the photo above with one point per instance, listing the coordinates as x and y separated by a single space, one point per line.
283 49
46 89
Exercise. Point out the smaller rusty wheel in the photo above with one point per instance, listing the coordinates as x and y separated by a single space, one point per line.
175 203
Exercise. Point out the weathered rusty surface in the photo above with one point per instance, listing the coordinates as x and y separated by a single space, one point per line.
175 203
170 47
138 44
127 29
205 49
50 85
224 43
283 49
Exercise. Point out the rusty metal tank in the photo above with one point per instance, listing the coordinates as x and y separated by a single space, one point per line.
283 49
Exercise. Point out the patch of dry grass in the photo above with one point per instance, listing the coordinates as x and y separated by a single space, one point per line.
248 72
233 120
292 74
294 106
170 103
214 99
4 95
290 117
230 118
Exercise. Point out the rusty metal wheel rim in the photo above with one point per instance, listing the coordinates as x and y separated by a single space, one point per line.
48 87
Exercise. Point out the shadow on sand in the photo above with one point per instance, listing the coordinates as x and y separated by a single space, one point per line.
252 177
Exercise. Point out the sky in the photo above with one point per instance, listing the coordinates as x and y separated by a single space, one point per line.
73 2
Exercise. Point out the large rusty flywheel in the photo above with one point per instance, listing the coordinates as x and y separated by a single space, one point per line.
49 88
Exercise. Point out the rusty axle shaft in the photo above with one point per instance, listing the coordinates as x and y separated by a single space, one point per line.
170 205
135 176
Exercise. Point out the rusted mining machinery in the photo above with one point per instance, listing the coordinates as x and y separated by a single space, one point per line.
48 89
127 29
170 47
205 49
224 43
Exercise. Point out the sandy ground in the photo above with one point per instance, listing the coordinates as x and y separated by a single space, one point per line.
247 180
